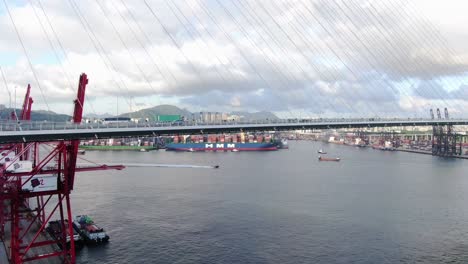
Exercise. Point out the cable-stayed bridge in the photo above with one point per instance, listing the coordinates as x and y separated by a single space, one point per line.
40 131
367 58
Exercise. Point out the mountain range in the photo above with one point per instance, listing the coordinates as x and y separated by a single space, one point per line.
39 115
150 113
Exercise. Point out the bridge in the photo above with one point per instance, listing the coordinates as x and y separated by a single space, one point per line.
40 131
329 57
23 167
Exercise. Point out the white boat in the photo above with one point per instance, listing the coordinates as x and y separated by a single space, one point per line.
321 151
235 150
190 150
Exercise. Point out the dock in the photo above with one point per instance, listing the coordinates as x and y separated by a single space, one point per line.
42 250
429 153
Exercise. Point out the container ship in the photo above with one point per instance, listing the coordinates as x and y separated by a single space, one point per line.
234 143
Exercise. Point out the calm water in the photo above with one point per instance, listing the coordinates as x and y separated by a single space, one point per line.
278 207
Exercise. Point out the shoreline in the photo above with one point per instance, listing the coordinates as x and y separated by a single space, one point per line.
429 153
119 148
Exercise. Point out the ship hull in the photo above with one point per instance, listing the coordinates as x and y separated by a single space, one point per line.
221 147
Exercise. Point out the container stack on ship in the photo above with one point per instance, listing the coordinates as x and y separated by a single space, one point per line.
234 142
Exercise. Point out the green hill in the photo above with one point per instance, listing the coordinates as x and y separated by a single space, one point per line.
152 112
40 115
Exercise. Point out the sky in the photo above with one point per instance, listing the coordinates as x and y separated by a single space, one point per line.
296 58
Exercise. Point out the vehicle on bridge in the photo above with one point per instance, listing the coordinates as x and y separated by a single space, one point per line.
111 120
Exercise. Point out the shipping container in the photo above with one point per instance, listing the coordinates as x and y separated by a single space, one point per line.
212 138
168 118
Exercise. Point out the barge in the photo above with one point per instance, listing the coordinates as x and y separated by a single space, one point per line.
320 158
89 231
55 230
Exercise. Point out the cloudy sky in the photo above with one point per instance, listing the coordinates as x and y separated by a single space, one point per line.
292 57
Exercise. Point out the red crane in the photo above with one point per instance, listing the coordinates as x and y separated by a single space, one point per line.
35 186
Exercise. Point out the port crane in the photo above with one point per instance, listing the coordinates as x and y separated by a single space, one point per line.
36 179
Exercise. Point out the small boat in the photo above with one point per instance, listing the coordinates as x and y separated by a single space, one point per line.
55 231
320 158
283 144
190 150
321 151
143 150
81 151
235 150
216 167
89 231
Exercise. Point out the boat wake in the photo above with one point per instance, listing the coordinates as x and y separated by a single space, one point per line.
155 165
170 165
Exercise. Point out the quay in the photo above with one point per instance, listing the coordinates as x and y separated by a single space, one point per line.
41 250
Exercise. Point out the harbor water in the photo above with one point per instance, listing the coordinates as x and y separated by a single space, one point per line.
278 207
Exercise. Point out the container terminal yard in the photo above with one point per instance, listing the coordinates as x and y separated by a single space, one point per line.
407 139
419 141
211 142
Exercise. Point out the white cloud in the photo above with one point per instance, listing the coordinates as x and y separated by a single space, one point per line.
327 57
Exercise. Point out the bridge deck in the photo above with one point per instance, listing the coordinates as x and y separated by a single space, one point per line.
42 131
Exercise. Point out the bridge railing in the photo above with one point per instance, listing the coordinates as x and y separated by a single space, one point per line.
37 125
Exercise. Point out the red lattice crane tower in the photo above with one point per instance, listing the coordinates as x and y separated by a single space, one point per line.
36 179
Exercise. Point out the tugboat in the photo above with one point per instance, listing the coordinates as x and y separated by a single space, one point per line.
89 231
320 158
55 230
283 144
